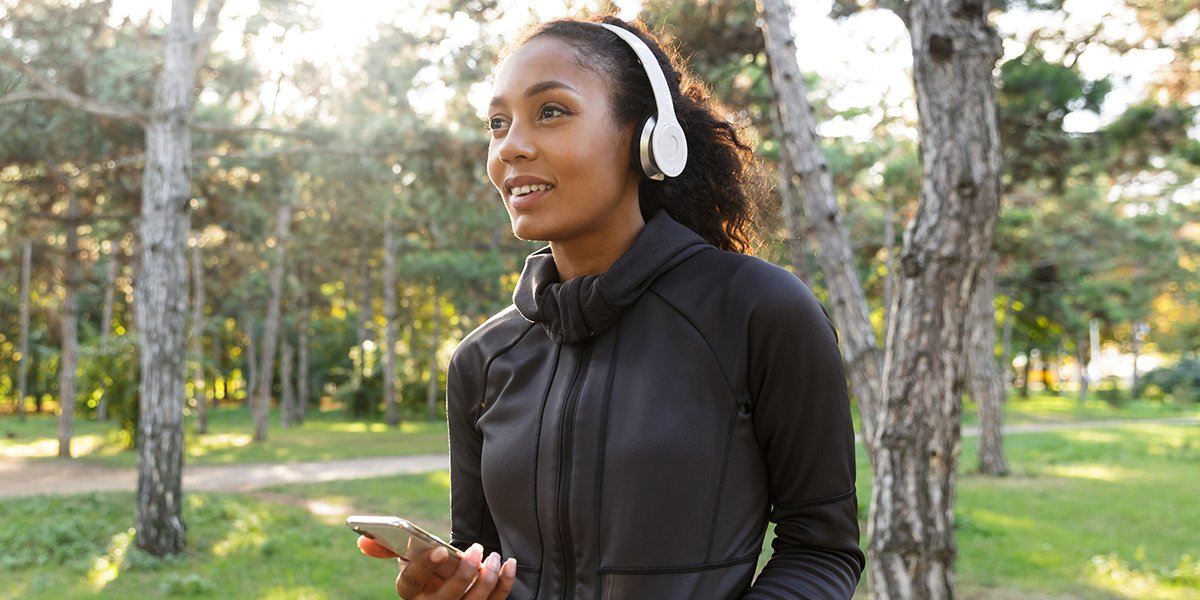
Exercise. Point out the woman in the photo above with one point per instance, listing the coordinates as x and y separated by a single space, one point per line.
653 397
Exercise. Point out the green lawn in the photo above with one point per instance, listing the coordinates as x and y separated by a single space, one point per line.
1093 513
323 436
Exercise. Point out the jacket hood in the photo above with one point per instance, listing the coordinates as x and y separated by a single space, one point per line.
584 307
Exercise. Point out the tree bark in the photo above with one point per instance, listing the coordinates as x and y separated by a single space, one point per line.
70 331
106 316
23 368
431 388
287 402
362 332
791 209
984 380
1081 370
860 350
911 527
270 338
251 361
199 393
162 292
889 240
391 414
302 358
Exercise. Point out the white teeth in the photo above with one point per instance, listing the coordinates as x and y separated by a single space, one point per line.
521 190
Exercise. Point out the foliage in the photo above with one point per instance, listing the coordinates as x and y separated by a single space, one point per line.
1181 380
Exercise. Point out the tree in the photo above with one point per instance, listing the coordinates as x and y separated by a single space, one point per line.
271 328
913 433
161 288
798 137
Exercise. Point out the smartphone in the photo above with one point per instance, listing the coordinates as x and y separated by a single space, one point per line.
401 536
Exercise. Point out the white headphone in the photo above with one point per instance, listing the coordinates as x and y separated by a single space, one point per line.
662 145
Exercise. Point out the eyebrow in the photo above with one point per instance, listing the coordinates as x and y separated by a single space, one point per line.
535 89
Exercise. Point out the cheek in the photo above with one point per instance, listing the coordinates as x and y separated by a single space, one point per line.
495 168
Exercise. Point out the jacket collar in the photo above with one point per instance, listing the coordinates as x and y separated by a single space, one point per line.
582 308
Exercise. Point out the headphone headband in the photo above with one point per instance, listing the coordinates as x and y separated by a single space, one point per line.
663 145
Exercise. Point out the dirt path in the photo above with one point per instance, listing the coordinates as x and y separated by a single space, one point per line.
20 477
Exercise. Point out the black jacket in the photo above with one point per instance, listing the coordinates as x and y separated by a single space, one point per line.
628 435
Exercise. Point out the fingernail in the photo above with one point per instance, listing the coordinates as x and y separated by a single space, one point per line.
510 568
475 553
493 562
438 555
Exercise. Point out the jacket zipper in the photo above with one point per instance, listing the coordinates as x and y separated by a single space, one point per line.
566 446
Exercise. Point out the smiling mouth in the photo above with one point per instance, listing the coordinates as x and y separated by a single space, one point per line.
525 190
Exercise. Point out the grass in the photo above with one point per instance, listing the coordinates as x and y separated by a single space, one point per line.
1091 513
1044 407
323 436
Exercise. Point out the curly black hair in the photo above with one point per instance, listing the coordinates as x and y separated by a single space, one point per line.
716 194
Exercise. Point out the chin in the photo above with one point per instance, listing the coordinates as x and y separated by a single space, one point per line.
530 232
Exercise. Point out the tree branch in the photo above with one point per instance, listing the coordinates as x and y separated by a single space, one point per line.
224 128
207 32
52 92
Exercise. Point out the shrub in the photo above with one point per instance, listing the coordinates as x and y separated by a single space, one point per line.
1181 380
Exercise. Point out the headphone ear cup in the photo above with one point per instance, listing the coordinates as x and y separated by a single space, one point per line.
668 148
645 151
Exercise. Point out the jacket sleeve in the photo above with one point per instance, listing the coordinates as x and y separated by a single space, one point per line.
471 520
802 422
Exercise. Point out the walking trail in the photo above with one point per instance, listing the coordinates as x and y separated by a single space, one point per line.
21 477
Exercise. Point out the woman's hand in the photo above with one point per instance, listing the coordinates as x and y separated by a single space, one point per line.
430 575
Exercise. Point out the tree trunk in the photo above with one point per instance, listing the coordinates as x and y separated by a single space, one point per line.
889 240
431 388
23 369
270 338
362 332
1006 344
287 402
302 359
860 350
391 415
1081 368
110 282
199 393
70 332
911 527
984 381
251 360
162 292
1139 334
791 209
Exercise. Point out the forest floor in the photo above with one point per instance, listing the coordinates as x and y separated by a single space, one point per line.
25 477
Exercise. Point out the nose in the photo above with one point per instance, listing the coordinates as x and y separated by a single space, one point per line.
517 144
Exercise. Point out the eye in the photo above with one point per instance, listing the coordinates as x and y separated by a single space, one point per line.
497 123
551 111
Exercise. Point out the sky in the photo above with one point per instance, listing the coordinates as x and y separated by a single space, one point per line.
864 60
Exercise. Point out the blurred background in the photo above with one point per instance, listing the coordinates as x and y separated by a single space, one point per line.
344 237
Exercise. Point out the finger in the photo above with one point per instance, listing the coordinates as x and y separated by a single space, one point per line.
468 569
506 580
485 582
447 567
370 547
416 573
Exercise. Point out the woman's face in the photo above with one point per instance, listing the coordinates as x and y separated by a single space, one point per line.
557 156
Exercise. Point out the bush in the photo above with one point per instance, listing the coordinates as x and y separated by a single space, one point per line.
1110 391
1181 380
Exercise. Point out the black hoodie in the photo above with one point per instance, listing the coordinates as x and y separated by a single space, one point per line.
628 435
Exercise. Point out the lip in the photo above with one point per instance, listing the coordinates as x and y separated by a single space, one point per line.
521 202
